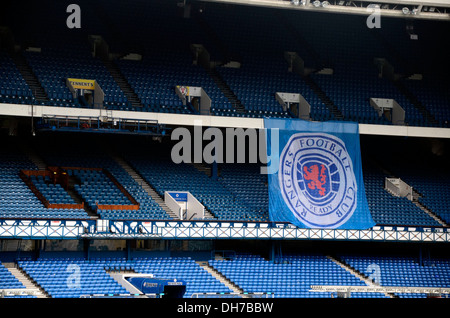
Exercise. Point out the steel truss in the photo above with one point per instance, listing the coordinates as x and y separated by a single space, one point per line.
113 229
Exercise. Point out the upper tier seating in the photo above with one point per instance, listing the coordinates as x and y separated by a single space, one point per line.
433 93
257 81
255 37
247 183
97 188
16 198
350 50
432 185
154 80
390 210
164 175
54 193
13 88
93 186
53 66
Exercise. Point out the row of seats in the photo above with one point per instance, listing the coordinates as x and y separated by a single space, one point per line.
257 82
247 183
154 80
72 278
388 209
16 198
403 271
239 193
8 280
13 88
164 175
432 185
290 275
53 67
54 193
94 186
258 39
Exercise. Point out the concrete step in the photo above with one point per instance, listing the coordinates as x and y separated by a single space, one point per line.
222 278
27 282
123 83
356 273
29 77
430 213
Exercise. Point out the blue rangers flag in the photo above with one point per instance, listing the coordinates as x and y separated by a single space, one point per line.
319 181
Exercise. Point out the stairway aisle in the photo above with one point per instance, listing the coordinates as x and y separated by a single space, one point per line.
30 78
334 110
136 177
120 79
222 279
354 272
226 90
30 286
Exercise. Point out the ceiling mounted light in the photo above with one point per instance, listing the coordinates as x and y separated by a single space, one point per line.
325 4
295 2
316 3
405 10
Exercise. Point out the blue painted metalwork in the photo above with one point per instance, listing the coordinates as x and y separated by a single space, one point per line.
188 230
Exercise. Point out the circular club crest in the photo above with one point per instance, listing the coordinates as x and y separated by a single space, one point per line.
317 180
183 90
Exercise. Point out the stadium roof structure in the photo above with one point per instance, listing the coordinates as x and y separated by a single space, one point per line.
427 9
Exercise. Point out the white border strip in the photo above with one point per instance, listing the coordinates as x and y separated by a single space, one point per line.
206 121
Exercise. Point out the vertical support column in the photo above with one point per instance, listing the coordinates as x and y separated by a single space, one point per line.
128 247
86 245
420 256
37 248
272 251
214 172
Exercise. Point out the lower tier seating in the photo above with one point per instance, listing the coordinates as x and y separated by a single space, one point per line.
402 271
286 276
75 277
290 276
8 280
